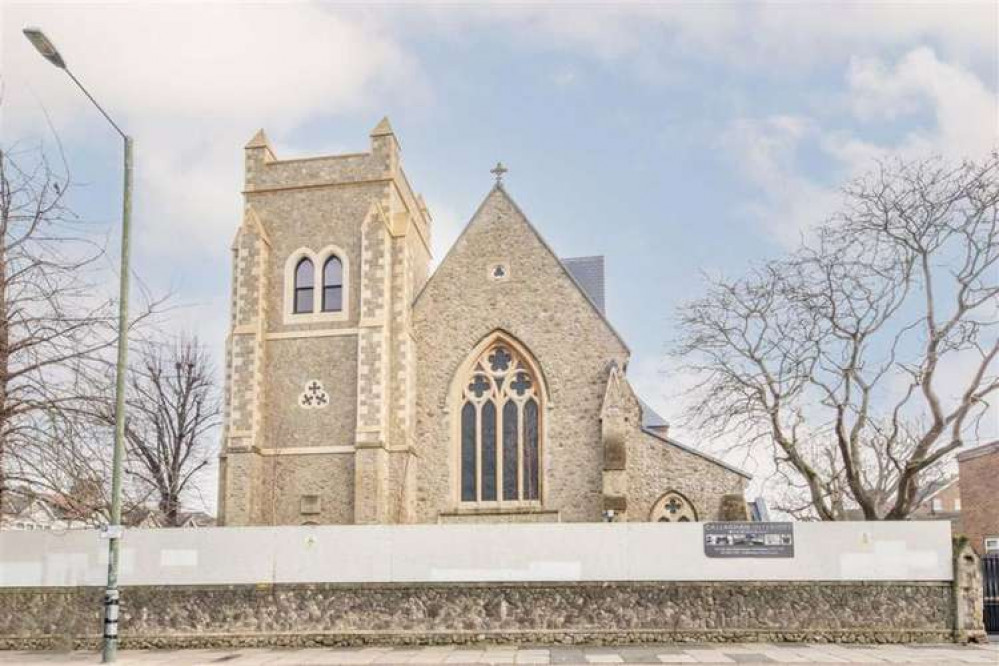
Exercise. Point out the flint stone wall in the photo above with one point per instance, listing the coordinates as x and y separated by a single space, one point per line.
608 613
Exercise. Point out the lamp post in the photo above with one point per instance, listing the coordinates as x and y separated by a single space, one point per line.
49 51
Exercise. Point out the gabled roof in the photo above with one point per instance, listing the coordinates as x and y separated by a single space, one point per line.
500 190
589 273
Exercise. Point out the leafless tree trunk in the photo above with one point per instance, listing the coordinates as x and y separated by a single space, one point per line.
867 357
174 410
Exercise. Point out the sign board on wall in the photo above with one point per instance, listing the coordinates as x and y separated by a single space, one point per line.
749 539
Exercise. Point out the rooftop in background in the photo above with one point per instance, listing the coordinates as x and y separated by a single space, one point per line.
983 450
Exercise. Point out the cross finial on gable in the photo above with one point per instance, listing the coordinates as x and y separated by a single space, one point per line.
498 171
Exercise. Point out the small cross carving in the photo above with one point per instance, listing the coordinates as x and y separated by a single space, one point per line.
673 505
479 386
521 384
498 171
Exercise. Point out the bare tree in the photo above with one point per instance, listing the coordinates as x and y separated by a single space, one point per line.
53 325
69 466
57 334
867 357
173 412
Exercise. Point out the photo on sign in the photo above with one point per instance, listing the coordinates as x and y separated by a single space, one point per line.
748 539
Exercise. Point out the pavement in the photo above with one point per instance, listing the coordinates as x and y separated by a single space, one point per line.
748 653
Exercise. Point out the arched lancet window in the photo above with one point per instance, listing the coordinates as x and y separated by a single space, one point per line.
500 429
333 284
304 285
673 508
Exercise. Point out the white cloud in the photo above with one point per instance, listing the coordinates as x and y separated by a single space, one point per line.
783 38
192 82
768 151
965 110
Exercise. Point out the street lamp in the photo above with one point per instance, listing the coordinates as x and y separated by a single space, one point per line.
49 51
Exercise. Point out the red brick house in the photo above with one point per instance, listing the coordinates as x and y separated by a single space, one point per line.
978 470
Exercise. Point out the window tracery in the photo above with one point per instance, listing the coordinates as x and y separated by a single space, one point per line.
499 433
673 508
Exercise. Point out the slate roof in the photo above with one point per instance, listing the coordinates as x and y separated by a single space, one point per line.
650 417
589 273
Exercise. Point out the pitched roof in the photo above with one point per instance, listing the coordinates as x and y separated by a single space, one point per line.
500 190
589 273
702 454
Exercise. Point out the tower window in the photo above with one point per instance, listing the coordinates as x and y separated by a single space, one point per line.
304 286
315 286
333 284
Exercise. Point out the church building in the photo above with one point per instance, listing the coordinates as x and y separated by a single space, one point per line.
364 388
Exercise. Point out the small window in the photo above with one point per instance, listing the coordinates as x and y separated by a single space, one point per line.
937 505
673 508
304 286
333 285
957 504
992 544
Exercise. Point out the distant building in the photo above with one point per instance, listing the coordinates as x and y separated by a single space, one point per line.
28 511
978 470
197 519
942 501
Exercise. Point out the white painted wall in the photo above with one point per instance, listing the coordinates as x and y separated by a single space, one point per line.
427 553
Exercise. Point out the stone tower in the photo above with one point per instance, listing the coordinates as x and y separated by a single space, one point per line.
320 366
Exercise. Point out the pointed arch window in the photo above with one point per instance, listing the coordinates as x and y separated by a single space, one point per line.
304 285
500 429
673 508
333 284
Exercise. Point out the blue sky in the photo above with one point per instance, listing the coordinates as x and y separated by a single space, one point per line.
676 139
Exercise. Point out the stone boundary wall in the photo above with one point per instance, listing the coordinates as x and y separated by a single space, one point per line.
426 613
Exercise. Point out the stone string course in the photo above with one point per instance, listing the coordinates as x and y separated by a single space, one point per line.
471 613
